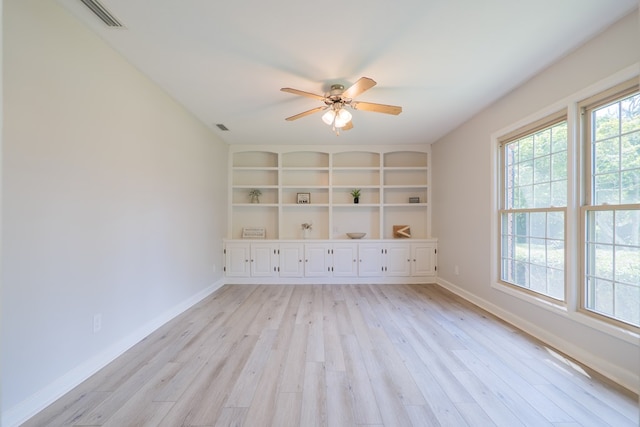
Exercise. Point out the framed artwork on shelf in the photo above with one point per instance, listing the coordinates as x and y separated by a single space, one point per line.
304 198
254 233
401 231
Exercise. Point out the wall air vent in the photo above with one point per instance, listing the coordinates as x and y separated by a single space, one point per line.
102 13
222 127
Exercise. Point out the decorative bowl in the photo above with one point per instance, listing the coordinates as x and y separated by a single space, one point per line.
356 235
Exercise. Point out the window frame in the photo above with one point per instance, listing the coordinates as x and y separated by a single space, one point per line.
546 122
586 184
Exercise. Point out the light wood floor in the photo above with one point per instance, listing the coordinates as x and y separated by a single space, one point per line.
332 355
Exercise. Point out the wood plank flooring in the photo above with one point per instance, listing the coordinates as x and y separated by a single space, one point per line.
334 355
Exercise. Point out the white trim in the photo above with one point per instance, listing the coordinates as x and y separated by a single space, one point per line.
35 403
628 379
572 218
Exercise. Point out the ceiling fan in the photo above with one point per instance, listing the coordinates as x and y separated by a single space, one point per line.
337 99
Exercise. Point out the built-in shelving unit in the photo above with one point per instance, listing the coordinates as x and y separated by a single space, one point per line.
386 176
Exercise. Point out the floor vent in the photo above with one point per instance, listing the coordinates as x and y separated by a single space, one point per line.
222 127
102 13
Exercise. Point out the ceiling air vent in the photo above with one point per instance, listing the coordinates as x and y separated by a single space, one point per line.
102 13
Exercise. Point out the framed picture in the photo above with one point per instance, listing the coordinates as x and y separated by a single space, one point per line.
401 232
254 233
304 198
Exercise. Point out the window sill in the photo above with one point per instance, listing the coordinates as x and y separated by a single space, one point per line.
576 316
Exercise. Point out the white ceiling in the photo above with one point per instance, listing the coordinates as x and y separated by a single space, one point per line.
441 60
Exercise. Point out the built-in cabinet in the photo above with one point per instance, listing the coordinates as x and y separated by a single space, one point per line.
374 261
311 185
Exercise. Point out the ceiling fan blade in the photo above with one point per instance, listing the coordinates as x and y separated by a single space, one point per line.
306 113
378 108
348 126
363 83
303 93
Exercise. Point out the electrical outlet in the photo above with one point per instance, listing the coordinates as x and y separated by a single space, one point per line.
456 270
97 323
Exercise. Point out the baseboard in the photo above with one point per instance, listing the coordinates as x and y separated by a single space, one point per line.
38 401
623 377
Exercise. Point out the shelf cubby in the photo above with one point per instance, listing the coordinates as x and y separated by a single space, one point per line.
356 219
255 159
356 159
294 216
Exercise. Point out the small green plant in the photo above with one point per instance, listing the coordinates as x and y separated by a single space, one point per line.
355 193
255 195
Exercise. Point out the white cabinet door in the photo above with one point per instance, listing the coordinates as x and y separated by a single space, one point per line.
423 256
263 259
345 259
291 257
370 259
397 259
237 257
317 259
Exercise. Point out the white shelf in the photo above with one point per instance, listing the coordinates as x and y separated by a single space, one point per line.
387 177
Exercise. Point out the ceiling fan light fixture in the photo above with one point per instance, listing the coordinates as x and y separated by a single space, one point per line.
342 118
328 117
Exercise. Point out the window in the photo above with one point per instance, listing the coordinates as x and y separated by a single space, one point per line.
611 210
533 207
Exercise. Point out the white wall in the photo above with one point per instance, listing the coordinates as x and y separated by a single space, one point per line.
462 202
114 204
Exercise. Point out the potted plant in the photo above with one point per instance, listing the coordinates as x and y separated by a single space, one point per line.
306 229
255 194
356 195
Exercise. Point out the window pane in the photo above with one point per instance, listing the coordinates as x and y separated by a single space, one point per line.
525 148
630 113
538 224
602 262
559 137
542 195
606 122
630 187
628 227
541 172
630 149
555 254
600 226
542 143
607 189
626 304
606 156
559 193
555 225
603 297
559 166
628 265
555 279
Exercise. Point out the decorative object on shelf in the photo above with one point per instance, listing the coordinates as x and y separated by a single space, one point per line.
306 229
414 199
254 233
255 195
304 198
356 195
336 101
401 231
356 235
